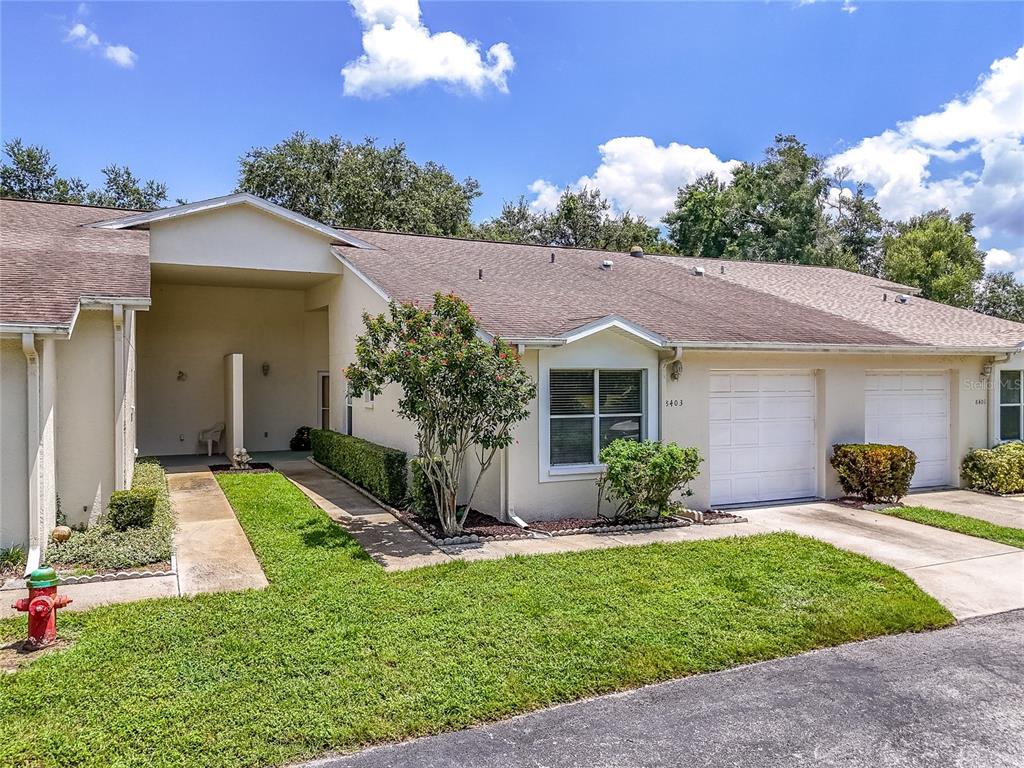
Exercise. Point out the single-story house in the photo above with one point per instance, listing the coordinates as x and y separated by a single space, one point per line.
128 333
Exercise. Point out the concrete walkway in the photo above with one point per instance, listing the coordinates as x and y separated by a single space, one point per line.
212 550
953 697
999 510
970 576
397 548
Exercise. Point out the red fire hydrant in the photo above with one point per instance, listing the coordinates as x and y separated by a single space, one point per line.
41 605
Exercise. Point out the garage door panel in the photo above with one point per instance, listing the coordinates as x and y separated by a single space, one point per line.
720 410
771 449
721 435
911 409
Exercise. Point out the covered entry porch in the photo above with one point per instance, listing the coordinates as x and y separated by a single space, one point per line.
231 358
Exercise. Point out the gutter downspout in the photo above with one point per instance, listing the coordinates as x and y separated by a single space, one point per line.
119 473
677 357
35 542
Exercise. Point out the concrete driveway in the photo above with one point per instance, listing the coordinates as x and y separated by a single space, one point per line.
1000 510
970 576
954 697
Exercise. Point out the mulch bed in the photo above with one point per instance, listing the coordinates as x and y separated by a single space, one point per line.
569 524
255 467
476 524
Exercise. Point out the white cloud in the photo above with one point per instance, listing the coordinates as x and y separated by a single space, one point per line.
848 7
638 175
121 55
82 36
1001 260
400 52
909 165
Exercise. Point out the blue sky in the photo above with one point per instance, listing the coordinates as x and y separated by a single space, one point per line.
633 97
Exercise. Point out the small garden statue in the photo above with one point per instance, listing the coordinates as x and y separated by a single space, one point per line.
240 459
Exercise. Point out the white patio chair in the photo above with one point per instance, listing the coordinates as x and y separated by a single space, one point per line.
211 436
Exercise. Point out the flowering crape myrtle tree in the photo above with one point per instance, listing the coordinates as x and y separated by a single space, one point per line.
464 394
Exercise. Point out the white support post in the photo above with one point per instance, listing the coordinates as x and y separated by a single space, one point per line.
119 471
35 535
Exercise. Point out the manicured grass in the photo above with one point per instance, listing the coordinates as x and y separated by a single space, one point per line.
951 521
336 653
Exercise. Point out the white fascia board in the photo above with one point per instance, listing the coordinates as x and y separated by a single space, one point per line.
614 322
371 284
909 349
239 198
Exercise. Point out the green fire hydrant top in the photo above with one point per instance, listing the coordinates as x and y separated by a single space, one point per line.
42 577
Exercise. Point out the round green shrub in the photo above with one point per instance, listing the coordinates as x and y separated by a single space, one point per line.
995 470
874 472
643 476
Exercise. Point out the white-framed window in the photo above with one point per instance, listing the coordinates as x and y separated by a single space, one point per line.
368 399
589 408
1011 405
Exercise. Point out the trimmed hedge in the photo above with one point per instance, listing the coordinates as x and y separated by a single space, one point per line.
995 470
131 509
103 547
377 468
421 495
874 472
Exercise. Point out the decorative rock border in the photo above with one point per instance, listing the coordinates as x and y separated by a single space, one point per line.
677 523
65 581
450 541
728 521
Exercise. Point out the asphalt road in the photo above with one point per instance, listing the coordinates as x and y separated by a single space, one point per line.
954 697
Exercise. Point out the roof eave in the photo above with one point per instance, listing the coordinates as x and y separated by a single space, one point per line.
143 220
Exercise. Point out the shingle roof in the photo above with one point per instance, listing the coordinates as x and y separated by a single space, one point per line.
524 296
48 262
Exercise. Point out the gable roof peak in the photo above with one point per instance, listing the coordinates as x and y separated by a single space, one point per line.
144 220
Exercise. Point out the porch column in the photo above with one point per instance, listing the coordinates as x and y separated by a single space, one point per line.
119 473
35 543
234 436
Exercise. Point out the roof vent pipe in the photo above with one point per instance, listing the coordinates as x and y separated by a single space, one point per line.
480 275
607 264
552 257
902 298
636 252
698 271
723 269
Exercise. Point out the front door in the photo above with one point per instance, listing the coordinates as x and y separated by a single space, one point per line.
324 399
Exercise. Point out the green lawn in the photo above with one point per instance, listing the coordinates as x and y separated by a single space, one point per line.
336 653
951 521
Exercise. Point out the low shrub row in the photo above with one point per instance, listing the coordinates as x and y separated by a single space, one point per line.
123 538
874 472
995 470
378 469
421 495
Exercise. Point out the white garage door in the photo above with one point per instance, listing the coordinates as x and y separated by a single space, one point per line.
763 445
911 408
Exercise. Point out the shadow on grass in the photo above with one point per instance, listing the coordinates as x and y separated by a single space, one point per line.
328 535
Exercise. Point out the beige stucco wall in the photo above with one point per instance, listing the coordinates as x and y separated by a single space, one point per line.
191 328
85 417
240 237
13 445
537 492
840 399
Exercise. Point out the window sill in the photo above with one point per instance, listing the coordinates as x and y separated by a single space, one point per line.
568 470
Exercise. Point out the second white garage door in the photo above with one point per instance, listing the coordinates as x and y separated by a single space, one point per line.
911 408
763 443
